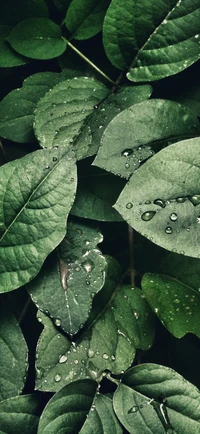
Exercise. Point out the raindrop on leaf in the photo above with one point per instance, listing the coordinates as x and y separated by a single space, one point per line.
148 215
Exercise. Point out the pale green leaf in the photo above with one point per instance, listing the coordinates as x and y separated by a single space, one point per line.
120 322
84 18
66 107
70 278
11 12
17 107
13 360
37 38
20 414
152 39
162 199
67 411
126 141
37 193
177 305
101 418
156 399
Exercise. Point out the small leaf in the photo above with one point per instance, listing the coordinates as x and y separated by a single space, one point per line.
176 304
20 414
67 411
117 325
162 199
101 418
13 350
84 18
125 144
37 38
66 107
156 399
70 279
37 192
152 40
16 109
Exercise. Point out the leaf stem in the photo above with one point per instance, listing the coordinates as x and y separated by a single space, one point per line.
131 254
3 152
88 61
113 380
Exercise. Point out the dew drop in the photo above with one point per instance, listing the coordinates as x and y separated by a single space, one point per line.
129 205
133 409
76 362
181 199
148 215
57 378
177 300
46 167
127 153
173 217
57 322
156 310
105 356
90 353
168 230
195 200
127 165
63 359
55 159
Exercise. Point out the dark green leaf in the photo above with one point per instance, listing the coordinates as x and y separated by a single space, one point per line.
13 360
62 5
155 399
101 418
37 38
176 304
8 57
125 142
71 277
183 268
20 415
12 12
84 18
65 108
162 199
35 201
152 40
67 411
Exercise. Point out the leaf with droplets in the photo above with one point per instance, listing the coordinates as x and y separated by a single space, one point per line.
177 305
152 40
63 110
156 399
13 350
125 144
101 418
162 199
117 325
20 414
71 277
37 193
182 268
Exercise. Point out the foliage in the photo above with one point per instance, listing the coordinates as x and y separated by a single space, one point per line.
99 216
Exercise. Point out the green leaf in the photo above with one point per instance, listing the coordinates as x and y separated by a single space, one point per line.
16 109
35 201
105 112
152 40
13 12
118 324
162 199
156 399
84 18
67 411
93 199
37 38
177 305
13 350
183 268
125 144
70 279
8 57
66 107
101 418
20 414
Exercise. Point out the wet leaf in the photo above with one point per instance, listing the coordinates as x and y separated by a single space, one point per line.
101 418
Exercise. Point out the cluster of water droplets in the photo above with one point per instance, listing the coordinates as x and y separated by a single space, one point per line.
134 157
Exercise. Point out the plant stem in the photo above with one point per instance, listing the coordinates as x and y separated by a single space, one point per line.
113 380
3 152
88 61
131 254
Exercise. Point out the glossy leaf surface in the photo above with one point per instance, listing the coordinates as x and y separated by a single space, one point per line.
20 414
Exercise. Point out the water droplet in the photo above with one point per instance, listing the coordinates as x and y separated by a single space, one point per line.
156 310
168 230
198 219
76 362
181 199
133 409
88 266
147 202
173 217
136 315
129 205
87 282
195 200
55 159
148 215
105 356
63 359
113 358
127 153
46 167
127 165
90 353
100 126
57 322
57 378
177 300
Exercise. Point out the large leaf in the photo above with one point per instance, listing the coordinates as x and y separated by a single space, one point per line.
37 192
162 199
84 18
37 38
155 399
12 12
67 411
20 414
101 418
120 322
176 304
105 112
152 40
13 360
125 144
16 109
71 277
66 106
